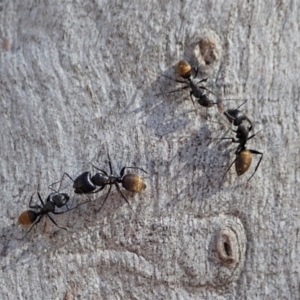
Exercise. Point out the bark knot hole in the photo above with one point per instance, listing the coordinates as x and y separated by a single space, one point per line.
227 247
208 49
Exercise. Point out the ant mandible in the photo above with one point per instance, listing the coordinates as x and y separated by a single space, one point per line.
32 217
87 184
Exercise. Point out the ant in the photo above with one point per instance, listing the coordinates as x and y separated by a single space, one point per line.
243 155
31 217
184 70
87 184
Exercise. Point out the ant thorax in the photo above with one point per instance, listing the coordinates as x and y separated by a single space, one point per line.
101 179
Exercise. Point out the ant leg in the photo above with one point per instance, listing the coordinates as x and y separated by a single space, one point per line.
202 80
177 90
41 199
179 81
59 212
191 94
104 199
35 206
225 138
122 172
109 163
100 189
124 168
173 91
196 73
60 181
88 198
31 228
69 209
222 124
259 153
31 200
253 135
52 220
118 188
204 88
137 168
242 104
226 173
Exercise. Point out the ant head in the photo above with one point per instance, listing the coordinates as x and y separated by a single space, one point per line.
83 184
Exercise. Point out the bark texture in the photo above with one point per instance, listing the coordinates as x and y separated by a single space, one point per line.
81 79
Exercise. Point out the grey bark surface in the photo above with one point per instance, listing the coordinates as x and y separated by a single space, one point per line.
80 80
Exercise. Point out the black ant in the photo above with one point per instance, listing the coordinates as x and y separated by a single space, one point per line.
243 155
184 70
87 184
31 217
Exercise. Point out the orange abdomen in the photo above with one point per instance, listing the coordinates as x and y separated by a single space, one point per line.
184 69
133 183
27 217
243 162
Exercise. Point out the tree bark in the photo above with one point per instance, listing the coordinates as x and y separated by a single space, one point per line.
81 80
